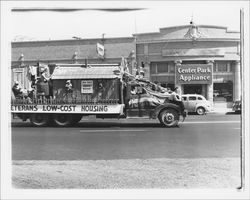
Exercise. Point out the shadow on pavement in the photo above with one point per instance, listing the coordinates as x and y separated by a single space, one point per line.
233 113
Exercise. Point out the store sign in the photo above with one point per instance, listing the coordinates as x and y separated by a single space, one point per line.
90 109
194 74
87 87
193 52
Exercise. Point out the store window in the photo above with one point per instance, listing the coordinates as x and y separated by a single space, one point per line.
223 91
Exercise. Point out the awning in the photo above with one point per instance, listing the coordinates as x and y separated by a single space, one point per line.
76 72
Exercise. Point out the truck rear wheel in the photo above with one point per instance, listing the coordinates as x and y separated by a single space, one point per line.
76 118
169 117
39 119
63 119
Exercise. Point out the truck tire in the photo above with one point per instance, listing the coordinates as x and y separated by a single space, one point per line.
63 120
169 117
76 119
39 119
200 111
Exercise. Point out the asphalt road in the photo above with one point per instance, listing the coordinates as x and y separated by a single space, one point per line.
209 136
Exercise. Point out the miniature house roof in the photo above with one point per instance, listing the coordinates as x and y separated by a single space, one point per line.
82 72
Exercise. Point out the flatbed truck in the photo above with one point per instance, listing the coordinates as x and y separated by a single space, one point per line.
103 91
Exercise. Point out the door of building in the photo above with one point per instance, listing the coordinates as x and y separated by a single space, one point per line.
192 89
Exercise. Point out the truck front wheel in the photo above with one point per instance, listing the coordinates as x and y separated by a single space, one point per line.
169 117
63 119
39 119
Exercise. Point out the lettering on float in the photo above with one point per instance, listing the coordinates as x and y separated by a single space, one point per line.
65 108
24 108
94 108
190 74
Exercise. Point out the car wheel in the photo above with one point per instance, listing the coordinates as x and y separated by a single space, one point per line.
200 111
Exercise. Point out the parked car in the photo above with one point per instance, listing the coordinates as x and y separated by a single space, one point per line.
216 93
237 106
196 103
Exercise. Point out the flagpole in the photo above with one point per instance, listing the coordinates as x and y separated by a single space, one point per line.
135 40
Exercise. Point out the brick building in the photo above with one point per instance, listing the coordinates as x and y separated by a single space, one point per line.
199 59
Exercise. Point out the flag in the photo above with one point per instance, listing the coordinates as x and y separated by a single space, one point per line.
100 50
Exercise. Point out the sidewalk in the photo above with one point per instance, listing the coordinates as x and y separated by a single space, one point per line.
158 173
221 110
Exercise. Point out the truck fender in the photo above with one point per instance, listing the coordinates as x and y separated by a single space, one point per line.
159 108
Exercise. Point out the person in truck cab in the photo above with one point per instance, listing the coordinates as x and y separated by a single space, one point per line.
175 98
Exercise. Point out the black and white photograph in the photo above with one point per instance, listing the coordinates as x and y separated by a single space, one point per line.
125 100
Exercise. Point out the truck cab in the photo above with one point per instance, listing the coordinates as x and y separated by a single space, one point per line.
140 102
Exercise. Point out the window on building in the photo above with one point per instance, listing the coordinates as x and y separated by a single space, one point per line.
162 67
214 67
171 68
153 68
231 67
158 68
222 66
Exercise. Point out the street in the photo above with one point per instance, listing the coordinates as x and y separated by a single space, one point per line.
203 152
198 137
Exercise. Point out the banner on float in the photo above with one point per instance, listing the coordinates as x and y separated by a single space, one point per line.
82 109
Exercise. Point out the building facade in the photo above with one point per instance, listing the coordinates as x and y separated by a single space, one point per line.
199 59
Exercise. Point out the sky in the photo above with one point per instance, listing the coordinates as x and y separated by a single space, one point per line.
152 15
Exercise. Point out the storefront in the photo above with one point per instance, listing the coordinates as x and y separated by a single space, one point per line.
198 59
